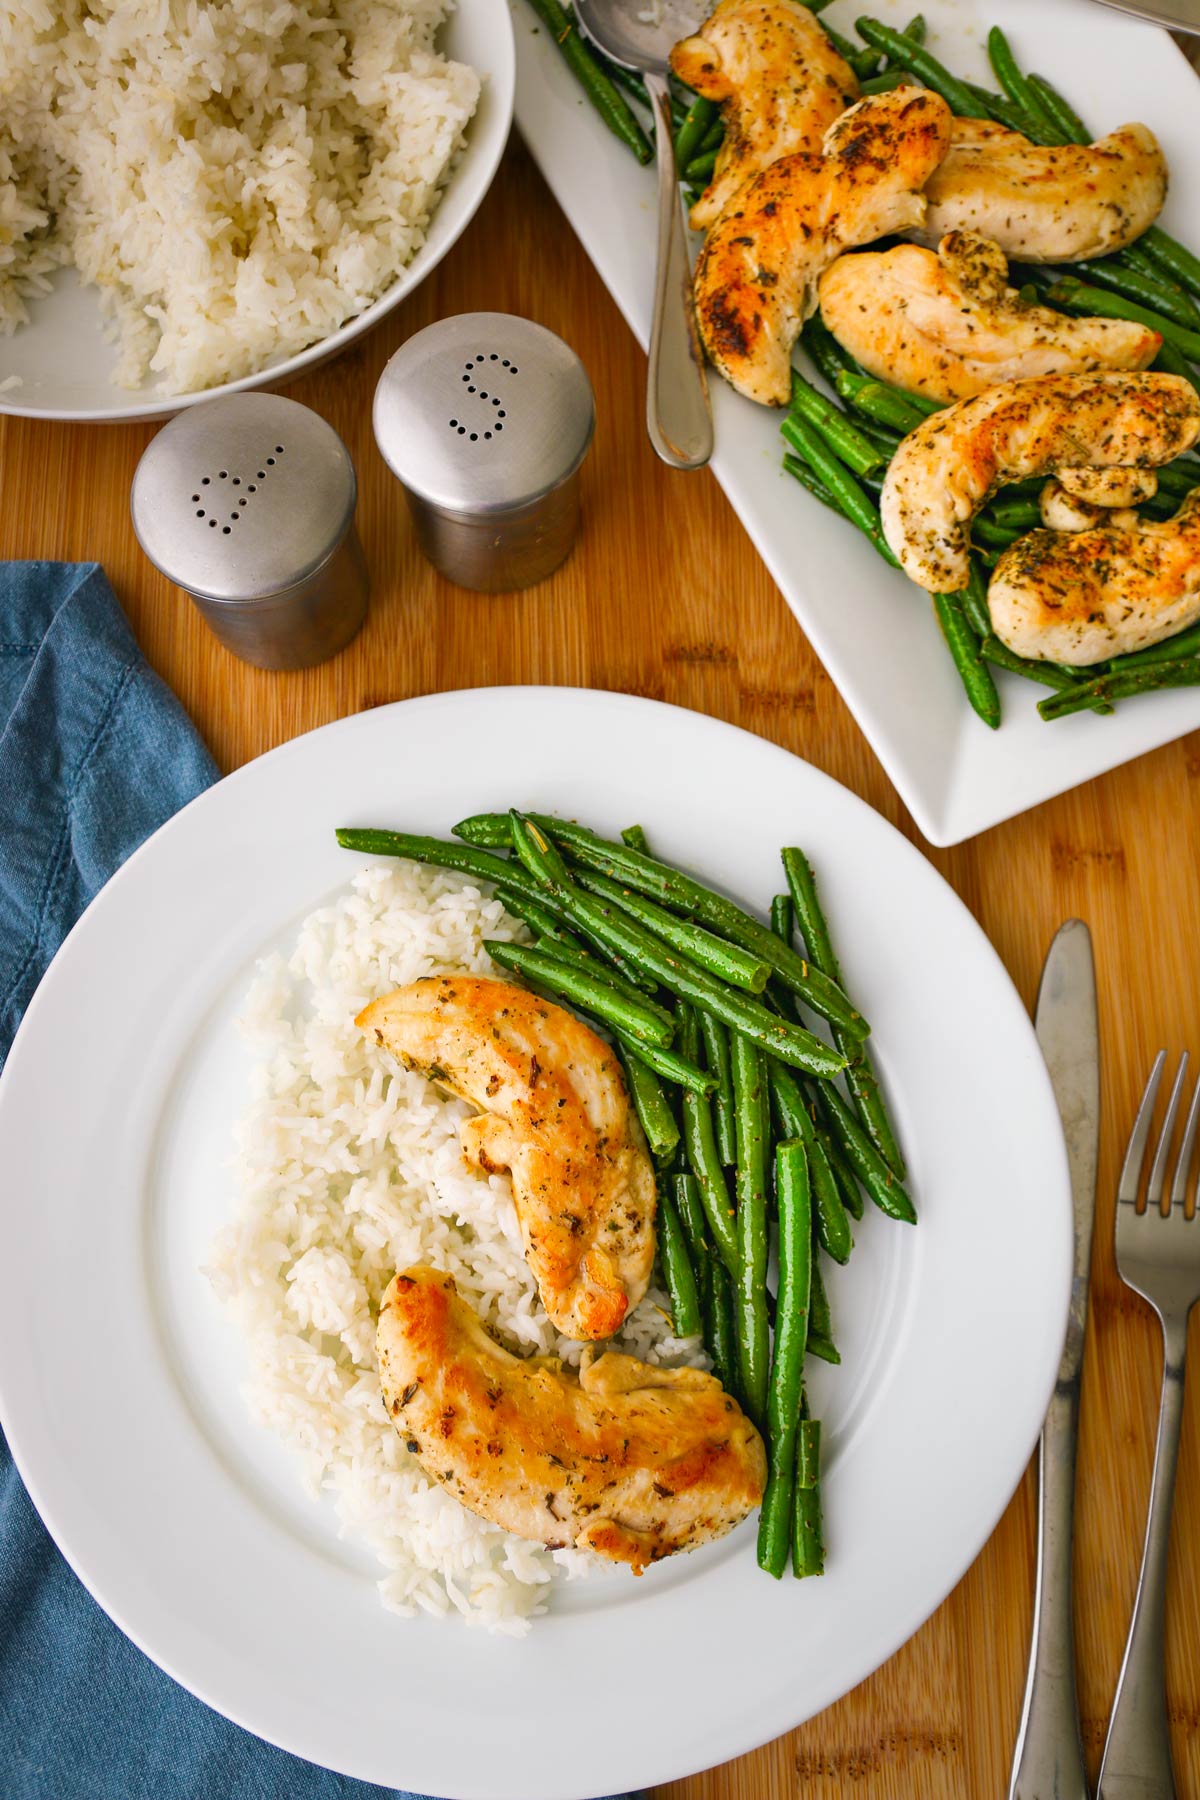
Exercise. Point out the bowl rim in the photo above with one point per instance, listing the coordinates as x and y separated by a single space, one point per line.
478 162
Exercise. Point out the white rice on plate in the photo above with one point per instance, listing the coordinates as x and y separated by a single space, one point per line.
348 1168
237 177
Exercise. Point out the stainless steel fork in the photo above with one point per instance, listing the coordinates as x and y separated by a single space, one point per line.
1158 1256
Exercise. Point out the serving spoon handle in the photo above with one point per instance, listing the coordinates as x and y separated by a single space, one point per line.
678 412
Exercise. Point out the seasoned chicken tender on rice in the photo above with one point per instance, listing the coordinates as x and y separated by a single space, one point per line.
631 1461
556 1114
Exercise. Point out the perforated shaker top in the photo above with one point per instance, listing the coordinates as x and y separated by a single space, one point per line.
483 413
244 496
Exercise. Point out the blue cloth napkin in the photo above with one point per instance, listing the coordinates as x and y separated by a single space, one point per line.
95 753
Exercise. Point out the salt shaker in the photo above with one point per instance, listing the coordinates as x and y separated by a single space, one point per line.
485 420
247 502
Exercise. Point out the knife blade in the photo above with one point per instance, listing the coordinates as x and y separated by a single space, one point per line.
1048 1761
1176 15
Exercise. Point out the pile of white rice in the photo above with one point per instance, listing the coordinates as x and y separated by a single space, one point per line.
349 1168
238 177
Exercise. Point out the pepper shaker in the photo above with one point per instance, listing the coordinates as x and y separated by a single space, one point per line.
247 503
485 419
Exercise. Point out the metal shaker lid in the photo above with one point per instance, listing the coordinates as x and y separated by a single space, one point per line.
483 413
244 496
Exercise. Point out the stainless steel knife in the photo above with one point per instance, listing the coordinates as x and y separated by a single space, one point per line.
1048 1762
1176 15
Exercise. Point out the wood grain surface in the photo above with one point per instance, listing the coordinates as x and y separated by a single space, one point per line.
665 596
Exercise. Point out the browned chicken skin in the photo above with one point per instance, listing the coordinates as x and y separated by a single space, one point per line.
756 279
948 325
1046 205
779 79
627 1460
558 1116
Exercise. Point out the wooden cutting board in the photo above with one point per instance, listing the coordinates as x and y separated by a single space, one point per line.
665 596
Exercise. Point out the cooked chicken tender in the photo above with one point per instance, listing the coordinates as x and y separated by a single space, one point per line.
556 1115
1046 205
1109 487
945 469
779 79
1081 598
1062 511
948 325
757 275
628 1460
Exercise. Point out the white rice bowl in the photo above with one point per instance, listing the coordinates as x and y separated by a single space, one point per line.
237 177
348 1168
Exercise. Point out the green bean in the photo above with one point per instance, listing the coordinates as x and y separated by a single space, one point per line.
973 672
911 56
782 922
702 1157
795 465
684 894
1173 304
992 536
840 433
1001 108
885 83
714 137
820 1323
1056 108
677 1268
608 101
881 1183
538 919
490 831
1077 297
1184 643
645 1021
1176 363
651 1105
844 1178
865 63
753 1326
686 1193
669 1065
1049 674
635 837
1013 514
1173 256
832 1225
879 402
845 49
717 1062
917 29
1018 89
973 600
826 352
1179 478
720 1335
699 117
577 956
861 1078
854 503
700 170
808 1548
726 961
787 1359
1184 672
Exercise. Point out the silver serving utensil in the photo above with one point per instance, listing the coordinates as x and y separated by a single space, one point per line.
1176 15
1048 1761
678 412
1158 1256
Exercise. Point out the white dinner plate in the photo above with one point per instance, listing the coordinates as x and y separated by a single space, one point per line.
65 362
119 1372
873 630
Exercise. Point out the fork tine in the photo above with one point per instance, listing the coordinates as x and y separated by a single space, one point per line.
1131 1169
1162 1150
1183 1166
